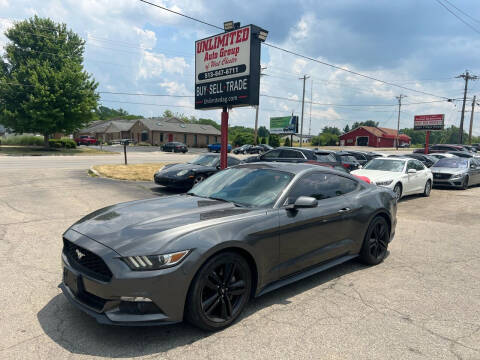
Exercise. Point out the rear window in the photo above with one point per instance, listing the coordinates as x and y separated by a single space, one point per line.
326 158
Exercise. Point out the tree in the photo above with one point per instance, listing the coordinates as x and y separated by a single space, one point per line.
264 141
44 87
357 124
263 132
106 113
331 130
346 129
242 139
273 140
287 141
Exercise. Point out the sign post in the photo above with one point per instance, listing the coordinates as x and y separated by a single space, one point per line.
227 73
428 123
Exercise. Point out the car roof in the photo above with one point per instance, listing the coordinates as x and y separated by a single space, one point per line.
294 168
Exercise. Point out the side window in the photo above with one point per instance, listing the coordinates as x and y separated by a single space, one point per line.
411 165
418 165
274 154
291 154
232 161
321 186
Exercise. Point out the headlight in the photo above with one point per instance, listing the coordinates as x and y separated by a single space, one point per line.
383 183
457 176
155 262
183 172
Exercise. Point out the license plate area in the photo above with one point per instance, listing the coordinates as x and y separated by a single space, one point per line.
71 280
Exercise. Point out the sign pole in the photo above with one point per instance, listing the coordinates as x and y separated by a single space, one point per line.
224 139
427 140
125 151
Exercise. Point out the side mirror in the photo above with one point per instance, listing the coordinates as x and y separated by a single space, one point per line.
412 171
304 202
472 166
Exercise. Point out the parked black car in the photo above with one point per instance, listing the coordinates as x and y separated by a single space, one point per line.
342 158
439 148
456 172
464 154
285 154
248 149
241 233
174 147
427 160
362 156
265 147
186 175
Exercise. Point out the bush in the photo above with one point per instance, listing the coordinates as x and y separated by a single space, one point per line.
142 143
23 140
286 142
55 143
264 141
62 143
273 140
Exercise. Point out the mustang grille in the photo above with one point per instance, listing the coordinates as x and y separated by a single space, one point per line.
441 176
86 261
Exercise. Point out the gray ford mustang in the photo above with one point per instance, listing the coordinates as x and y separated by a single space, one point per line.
241 233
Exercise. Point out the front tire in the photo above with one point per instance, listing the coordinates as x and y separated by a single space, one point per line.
398 191
428 188
465 183
375 244
219 292
198 179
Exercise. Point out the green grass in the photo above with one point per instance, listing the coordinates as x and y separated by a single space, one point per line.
41 151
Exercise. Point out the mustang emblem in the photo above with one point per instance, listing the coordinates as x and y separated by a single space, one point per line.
80 255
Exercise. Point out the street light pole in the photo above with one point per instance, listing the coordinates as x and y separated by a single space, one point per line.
304 78
398 121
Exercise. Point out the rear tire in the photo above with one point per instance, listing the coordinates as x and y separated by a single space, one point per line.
375 244
219 292
428 188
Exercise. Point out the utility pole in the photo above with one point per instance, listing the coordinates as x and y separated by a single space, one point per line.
471 121
255 137
304 78
466 77
399 98
311 101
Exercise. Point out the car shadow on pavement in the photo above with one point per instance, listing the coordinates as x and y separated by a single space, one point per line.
78 333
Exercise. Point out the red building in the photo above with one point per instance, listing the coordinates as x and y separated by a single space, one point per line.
373 136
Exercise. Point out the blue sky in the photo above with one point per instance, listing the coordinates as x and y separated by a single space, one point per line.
136 48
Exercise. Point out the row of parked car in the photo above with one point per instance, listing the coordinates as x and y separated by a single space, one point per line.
405 174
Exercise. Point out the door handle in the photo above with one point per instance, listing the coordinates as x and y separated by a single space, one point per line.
344 210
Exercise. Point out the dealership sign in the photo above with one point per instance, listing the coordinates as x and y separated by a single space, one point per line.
286 125
428 122
227 69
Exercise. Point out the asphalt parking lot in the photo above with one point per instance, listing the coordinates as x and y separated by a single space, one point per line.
423 301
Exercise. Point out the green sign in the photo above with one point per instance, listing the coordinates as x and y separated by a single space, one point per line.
284 125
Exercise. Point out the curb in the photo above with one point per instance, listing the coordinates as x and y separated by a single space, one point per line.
94 172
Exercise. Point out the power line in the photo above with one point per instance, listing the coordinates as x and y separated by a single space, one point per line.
178 13
303 56
458 17
462 12
141 103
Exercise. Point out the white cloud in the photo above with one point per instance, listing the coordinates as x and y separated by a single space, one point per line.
153 65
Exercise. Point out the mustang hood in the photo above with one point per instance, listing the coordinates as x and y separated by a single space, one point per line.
124 226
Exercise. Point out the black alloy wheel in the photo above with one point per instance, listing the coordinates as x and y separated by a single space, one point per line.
198 179
219 292
375 244
465 183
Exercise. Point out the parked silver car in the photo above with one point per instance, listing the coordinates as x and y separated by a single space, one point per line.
456 172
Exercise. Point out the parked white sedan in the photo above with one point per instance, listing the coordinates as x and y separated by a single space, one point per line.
404 176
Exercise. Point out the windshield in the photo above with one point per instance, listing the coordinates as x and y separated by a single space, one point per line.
385 165
326 158
205 160
244 186
458 163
